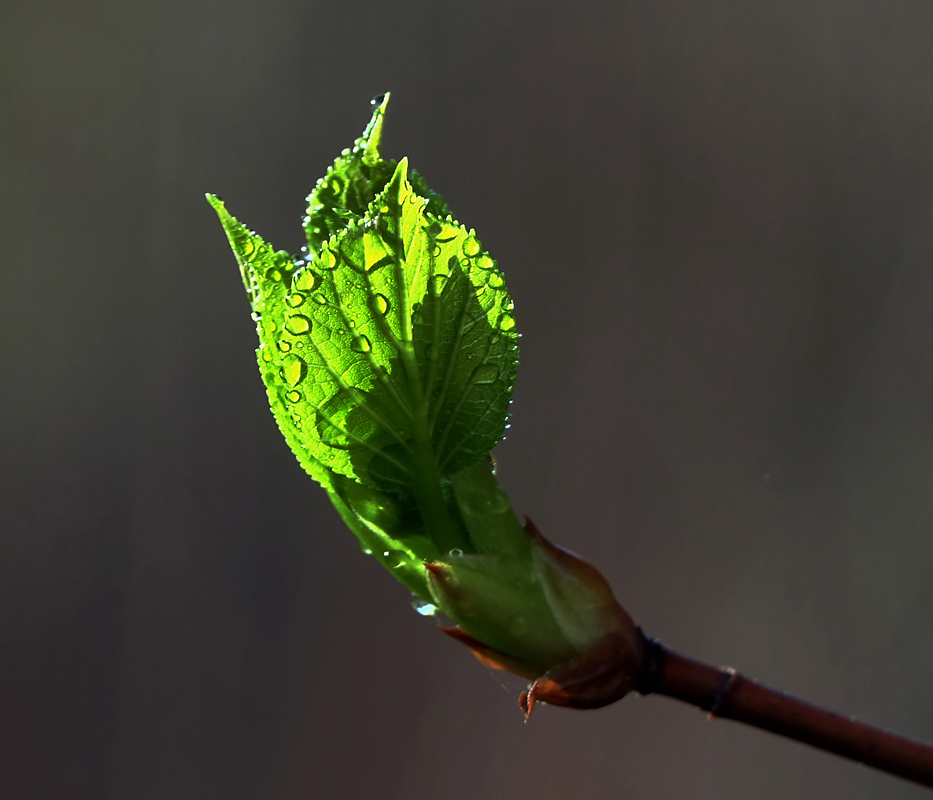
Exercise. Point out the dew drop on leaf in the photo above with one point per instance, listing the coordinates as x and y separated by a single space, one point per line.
382 304
485 373
294 396
283 346
296 299
320 299
293 370
456 553
495 280
506 322
485 262
298 324
361 344
326 259
274 274
471 246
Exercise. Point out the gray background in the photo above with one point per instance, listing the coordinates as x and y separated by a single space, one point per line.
716 223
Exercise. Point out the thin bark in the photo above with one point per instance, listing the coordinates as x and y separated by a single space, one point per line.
724 693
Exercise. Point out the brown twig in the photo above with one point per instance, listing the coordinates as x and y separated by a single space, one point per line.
724 693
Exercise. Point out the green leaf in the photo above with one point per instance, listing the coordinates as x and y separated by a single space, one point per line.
389 352
353 182
399 333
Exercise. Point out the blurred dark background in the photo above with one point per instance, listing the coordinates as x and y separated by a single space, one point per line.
716 220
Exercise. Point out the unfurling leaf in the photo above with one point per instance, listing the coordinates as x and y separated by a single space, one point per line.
388 351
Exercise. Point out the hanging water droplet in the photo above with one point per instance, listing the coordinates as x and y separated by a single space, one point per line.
293 370
382 303
456 553
378 100
295 299
423 607
485 373
298 324
361 344
294 396
471 246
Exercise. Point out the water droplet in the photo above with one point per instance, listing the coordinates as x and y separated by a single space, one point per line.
293 396
378 100
266 354
471 246
274 274
361 344
298 324
423 607
437 250
296 299
283 346
385 554
506 322
495 280
296 420
382 303
485 373
320 299
455 553
485 262
326 259
293 370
